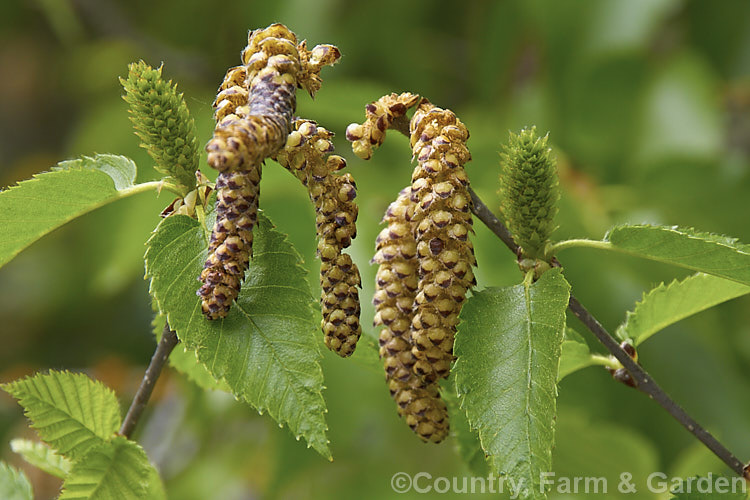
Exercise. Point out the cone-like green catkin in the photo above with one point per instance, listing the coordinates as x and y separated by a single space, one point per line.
307 154
529 191
162 121
417 400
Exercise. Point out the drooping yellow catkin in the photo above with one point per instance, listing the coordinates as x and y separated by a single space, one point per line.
307 156
254 110
380 115
442 223
418 401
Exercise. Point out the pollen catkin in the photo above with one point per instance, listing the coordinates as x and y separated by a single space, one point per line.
307 155
380 116
254 110
442 223
396 284
529 190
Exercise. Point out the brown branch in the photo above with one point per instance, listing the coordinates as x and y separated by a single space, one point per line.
167 343
642 380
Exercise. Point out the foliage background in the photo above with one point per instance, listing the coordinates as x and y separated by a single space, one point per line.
648 104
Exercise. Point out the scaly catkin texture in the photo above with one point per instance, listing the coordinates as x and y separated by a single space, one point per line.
307 156
379 118
442 223
254 110
529 190
163 123
396 284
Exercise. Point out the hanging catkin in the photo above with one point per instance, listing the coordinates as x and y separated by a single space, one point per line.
442 223
307 156
396 284
254 110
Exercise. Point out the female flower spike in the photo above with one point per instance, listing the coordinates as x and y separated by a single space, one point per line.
396 287
307 156
442 223
254 110
529 190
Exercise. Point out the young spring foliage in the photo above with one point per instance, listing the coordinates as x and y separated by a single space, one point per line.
70 411
42 456
162 121
668 304
705 252
79 419
14 485
266 349
508 351
35 207
529 191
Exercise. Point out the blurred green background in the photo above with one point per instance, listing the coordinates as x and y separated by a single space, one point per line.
648 106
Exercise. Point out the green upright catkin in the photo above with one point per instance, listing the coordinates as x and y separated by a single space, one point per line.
442 224
529 191
254 111
307 156
418 401
162 121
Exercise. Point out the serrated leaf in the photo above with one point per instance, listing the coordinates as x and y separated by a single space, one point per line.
186 362
508 351
710 487
575 354
704 252
466 439
266 349
118 470
668 304
40 455
71 412
14 485
35 207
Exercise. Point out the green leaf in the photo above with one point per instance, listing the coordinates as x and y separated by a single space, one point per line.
508 352
35 207
120 169
71 412
709 487
668 304
116 470
266 349
704 252
40 455
575 355
465 438
14 485
185 361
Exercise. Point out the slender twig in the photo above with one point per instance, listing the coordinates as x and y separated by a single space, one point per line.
643 381
168 341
